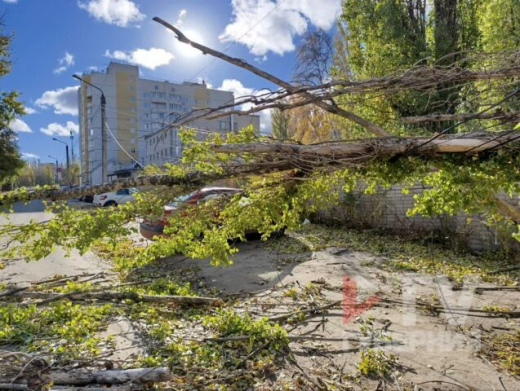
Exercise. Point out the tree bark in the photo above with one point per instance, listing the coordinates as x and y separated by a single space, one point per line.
382 147
140 375
75 296
460 117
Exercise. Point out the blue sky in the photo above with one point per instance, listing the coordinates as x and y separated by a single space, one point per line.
54 39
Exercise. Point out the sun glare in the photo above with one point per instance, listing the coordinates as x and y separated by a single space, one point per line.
186 50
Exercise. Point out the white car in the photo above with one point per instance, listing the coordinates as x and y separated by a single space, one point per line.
114 198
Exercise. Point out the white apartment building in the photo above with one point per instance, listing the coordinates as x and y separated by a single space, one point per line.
136 110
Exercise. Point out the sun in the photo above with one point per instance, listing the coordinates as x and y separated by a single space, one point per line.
186 50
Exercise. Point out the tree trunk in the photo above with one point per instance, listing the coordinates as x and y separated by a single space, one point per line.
141 375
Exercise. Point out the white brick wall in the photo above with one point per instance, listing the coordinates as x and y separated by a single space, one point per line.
387 210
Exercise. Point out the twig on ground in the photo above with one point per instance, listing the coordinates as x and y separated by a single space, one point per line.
74 296
480 289
442 381
315 310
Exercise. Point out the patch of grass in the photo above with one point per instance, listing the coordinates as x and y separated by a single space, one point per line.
165 286
402 254
63 330
227 322
496 308
179 344
376 363
504 350
123 252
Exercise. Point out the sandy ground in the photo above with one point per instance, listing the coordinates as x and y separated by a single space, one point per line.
17 271
430 346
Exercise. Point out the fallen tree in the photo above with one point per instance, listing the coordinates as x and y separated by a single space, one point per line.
462 171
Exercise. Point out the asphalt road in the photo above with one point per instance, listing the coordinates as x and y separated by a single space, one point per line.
18 271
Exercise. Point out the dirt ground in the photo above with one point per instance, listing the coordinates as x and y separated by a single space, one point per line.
436 329
437 348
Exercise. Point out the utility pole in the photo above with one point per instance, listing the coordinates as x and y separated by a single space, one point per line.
68 162
68 165
72 145
104 159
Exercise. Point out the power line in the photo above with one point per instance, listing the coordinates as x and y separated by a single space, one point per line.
120 146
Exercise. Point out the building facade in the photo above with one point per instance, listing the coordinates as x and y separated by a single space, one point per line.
136 110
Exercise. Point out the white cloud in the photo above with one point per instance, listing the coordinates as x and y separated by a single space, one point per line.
19 126
118 12
11 1
63 100
236 87
64 63
148 58
276 26
30 110
56 129
182 15
28 155
239 90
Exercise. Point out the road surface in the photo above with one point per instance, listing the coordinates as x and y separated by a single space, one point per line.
19 271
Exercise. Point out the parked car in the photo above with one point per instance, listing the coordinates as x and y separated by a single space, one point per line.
114 198
154 228
89 198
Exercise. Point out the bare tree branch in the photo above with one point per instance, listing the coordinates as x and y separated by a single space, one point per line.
499 115
332 108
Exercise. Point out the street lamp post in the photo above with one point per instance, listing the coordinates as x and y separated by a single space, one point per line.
67 153
103 132
56 170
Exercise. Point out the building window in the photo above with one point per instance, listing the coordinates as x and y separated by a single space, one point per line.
172 89
132 99
132 88
146 105
146 95
235 126
222 125
159 106
132 109
156 88
132 141
132 78
161 115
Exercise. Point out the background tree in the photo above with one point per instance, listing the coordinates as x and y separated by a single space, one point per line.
74 173
49 174
388 36
280 120
10 108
